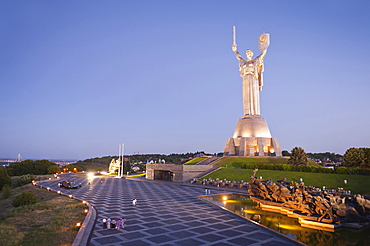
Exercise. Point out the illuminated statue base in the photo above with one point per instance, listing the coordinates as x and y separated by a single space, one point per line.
252 137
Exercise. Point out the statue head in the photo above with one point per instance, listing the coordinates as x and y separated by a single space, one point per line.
249 54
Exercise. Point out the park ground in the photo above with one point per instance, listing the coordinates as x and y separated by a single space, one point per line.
51 221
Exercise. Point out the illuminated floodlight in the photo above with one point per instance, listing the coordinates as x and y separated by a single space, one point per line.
90 175
70 196
84 202
104 173
58 192
224 198
86 211
78 224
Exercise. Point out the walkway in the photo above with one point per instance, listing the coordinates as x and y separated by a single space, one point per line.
165 214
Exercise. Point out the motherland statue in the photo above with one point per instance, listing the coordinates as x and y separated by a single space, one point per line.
252 135
251 71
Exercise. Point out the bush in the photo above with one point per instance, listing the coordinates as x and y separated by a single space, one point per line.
250 166
363 171
6 191
25 179
324 170
25 198
4 178
340 170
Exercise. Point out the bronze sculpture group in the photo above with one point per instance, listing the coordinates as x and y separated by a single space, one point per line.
310 203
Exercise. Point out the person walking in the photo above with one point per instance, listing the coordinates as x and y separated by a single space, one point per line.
134 202
108 222
113 224
118 225
104 222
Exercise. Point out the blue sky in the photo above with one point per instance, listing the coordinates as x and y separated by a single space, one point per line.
77 78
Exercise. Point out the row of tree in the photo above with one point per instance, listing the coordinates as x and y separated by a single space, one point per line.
320 156
354 157
102 163
39 167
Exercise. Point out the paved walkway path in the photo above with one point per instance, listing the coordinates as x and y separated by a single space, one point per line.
165 214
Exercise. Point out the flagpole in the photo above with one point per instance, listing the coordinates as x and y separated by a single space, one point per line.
123 149
119 160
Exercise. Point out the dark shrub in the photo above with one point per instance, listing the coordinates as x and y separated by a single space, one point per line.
4 178
25 198
340 170
250 166
6 191
25 179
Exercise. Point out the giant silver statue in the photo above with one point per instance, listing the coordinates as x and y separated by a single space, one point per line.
251 71
252 136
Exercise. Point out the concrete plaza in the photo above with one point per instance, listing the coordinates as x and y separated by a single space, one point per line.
166 214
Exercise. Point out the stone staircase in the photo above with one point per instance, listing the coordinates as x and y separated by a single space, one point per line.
208 161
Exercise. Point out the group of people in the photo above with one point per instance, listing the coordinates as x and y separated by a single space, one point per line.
113 224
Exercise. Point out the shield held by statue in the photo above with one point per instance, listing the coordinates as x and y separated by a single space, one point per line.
264 41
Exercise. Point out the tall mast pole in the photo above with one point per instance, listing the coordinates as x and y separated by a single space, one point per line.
123 151
119 160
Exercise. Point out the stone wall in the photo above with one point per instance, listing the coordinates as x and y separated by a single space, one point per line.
180 173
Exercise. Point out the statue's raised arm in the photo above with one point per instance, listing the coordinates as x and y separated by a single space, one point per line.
264 42
238 55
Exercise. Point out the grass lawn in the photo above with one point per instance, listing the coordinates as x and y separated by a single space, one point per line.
357 184
51 221
237 161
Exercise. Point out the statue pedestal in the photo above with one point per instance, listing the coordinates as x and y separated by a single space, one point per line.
252 137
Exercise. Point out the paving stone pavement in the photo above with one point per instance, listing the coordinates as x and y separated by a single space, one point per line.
165 214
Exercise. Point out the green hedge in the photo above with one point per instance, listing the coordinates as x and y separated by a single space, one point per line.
304 168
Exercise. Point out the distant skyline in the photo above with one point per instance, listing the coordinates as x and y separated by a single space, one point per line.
79 78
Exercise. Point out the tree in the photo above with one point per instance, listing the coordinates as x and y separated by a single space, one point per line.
298 157
366 163
39 167
53 169
354 157
285 153
71 167
4 178
126 166
325 156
